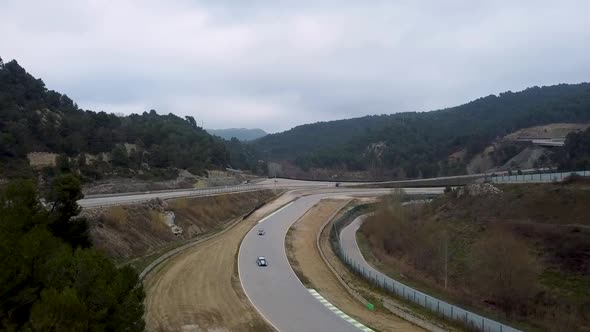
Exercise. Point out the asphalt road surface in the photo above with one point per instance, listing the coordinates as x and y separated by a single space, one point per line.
274 290
102 200
127 198
278 183
350 246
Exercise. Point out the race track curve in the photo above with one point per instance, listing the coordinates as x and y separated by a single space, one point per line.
275 291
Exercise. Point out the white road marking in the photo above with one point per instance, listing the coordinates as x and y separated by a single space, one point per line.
337 311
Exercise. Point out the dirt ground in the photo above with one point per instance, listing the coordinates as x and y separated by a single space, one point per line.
134 231
549 223
38 160
184 180
309 263
554 130
199 290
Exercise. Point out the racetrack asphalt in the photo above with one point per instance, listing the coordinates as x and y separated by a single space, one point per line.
274 290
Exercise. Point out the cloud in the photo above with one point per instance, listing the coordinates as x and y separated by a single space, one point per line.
275 65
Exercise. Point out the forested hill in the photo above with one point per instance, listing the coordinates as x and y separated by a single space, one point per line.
243 134
419 144
33 118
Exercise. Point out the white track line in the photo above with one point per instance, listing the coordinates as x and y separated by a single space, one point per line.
337 311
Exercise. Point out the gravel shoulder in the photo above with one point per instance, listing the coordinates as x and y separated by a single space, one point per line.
311 268
199 289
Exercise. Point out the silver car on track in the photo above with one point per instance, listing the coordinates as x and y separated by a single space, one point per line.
261 261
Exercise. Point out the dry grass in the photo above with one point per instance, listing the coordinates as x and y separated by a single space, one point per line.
129 232
376 295
543 230
195 290
116 216
199 289
554 130
157 223
310 267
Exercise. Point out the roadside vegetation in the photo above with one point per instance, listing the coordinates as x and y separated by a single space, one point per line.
149 146
519 253
199 289
139 233
576 154
51 278
423 144
97 145
312 265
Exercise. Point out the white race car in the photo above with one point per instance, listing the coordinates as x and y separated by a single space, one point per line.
261 261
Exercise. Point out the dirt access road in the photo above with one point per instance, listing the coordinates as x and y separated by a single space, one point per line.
307 261
199 290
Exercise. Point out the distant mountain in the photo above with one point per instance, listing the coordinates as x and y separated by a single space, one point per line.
426 144
243 134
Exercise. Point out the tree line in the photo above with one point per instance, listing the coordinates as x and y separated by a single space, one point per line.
150 145
576 153
51 279
33 118
419 144
517 252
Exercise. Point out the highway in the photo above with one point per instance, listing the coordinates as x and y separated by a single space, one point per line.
275 291
129 198
278 183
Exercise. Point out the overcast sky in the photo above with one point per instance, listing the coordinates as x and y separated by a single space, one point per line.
277 64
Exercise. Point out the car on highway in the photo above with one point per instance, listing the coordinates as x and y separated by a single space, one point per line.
260 231
261 261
